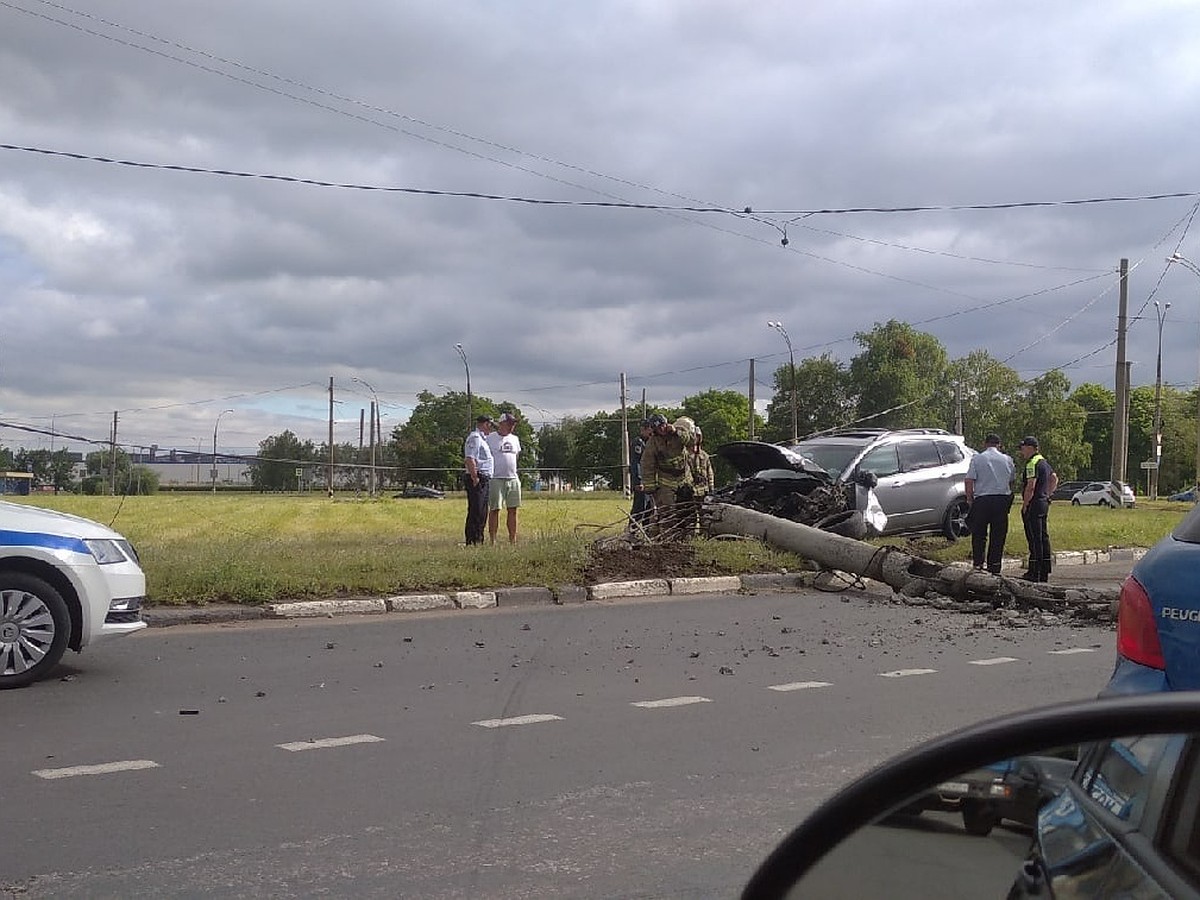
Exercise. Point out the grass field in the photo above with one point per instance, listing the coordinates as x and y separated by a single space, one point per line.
258 548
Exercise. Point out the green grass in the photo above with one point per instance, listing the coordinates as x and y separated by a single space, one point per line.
259 548
1077 528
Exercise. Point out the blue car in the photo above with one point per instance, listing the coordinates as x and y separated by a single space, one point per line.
1127 824
1158 619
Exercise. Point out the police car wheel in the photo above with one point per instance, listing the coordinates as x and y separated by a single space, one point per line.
34 628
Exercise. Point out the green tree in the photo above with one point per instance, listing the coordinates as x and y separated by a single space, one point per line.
142 480
595 449
428 448
1097 403
989 392
1178 468
555 440
723 416
99 467
823 398
1057 421
278 458
899 379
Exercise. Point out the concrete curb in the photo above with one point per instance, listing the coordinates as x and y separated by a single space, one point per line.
562 595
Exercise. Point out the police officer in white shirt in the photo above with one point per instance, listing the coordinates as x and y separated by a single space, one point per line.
990 494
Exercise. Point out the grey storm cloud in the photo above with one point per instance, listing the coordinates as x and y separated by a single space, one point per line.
171 295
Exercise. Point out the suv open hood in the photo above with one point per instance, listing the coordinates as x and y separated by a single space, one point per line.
750 457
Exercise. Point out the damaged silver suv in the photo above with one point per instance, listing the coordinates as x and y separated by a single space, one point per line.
918 473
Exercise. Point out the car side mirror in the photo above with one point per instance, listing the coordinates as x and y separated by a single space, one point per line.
873 837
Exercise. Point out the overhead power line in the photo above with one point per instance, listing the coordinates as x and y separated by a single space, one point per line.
608 204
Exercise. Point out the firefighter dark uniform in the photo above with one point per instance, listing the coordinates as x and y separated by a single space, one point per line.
665 473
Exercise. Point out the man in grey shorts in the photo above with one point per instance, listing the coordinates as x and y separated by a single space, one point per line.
504 490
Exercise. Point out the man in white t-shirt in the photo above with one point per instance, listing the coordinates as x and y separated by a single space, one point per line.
504 490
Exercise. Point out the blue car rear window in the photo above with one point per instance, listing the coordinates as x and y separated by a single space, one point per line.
1189 529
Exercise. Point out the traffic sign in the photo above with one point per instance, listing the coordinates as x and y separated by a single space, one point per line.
1149 464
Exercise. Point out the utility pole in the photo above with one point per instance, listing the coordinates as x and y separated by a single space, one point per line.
750 393
329 479
626 487
112 455
958 411
1120 446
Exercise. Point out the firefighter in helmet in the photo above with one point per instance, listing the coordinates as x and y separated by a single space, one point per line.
666 475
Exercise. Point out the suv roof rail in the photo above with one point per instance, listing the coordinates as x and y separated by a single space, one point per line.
881 432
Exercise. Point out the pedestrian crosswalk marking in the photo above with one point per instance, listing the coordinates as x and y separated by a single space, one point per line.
517 720
326 743
996 661
800 685
670 701
905 673
129 765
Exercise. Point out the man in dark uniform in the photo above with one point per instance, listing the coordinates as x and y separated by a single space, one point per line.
1038 482
478 463
642 504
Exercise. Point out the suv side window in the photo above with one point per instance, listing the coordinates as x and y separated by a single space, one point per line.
916 455
951 452
881 461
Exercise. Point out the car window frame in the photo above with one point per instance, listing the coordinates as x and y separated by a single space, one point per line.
932 458
950 447
1179 840
861 465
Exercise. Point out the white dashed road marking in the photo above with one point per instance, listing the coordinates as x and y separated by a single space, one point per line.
325 743
517 720
129 765
670 701
997 661
1072 651
905 673
799 685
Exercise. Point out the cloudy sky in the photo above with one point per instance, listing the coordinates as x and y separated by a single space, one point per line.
170 292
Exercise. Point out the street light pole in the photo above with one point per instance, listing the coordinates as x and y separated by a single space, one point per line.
778 326
1161 313
1195 270
374 412
470 401
216 425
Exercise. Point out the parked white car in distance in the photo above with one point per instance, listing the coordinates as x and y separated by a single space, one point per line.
1105 493
65 582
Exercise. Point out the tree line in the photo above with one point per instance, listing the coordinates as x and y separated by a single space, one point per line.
900 378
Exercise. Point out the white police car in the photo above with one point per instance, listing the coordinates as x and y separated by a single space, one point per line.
64 582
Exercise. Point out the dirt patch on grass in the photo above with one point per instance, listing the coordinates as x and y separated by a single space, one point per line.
621 561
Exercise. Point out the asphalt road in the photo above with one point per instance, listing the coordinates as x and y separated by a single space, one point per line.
633 749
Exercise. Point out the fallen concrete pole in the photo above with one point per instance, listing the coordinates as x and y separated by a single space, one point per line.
919 581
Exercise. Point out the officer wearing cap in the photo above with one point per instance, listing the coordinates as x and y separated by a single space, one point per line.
477 459
990 495
1038 482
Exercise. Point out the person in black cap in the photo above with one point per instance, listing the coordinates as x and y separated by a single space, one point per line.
643 503
1038 482
477 456
989 492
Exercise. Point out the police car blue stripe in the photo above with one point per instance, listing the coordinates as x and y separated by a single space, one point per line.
38 539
